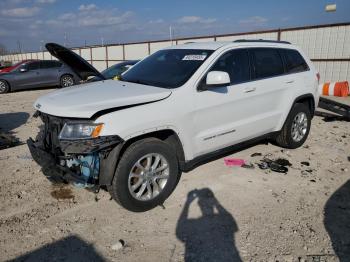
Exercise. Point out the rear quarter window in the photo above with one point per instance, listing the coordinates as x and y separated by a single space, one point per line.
267 62
294 61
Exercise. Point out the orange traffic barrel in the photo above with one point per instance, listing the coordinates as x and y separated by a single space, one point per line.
336 89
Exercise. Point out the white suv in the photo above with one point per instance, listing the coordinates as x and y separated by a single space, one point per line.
172 111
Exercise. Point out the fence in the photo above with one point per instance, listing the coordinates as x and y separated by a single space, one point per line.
328 46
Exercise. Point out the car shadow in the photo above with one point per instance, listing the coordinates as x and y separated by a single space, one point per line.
71 248
337 221
9 122
209 237
35 89
329 117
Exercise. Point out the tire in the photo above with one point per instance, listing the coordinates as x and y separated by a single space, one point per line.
66 81
296 128
4 87
140 152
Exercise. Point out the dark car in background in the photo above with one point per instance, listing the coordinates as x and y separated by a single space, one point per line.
114 71
38 73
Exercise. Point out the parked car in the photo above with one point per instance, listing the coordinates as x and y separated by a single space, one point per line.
115 71
34 74
13 67
172 111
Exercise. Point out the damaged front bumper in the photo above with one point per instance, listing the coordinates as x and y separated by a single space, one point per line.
83 162
57 167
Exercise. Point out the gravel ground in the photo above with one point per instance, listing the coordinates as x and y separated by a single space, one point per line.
216 213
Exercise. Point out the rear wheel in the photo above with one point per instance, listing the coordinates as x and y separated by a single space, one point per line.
4 87
146 175
296 128
66 80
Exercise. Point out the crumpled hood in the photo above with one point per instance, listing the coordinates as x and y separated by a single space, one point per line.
83 101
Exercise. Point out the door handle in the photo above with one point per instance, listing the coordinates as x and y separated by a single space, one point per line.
290 81
249 89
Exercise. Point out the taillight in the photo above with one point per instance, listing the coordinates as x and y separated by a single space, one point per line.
318 77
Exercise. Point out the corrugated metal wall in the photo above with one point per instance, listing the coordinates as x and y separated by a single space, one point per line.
328 46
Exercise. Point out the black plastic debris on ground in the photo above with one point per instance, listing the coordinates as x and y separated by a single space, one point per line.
249 166
305 163
278 165
255 154
8 140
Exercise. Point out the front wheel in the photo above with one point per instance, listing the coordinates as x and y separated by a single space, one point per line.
296 128
146 175
4 87
66 80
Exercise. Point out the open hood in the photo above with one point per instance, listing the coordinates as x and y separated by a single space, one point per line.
79 65
88 100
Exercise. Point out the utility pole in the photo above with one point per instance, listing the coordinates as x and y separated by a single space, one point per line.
102 41
41 45
171 34
65 39
19 46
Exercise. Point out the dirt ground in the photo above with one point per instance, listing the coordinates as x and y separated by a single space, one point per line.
216 213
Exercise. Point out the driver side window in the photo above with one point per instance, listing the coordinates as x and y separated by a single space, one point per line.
236 64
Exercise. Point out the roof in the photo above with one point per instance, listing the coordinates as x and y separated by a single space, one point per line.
217 45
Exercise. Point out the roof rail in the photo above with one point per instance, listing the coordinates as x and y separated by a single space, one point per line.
261 41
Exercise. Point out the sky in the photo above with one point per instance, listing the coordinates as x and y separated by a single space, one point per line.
31 23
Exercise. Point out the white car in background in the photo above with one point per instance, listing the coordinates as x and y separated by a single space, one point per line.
172 111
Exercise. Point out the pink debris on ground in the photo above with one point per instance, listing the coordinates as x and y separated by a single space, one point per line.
234 162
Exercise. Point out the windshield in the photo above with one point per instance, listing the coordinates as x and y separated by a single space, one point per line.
169 68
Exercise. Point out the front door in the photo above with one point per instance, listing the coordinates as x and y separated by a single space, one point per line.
28 78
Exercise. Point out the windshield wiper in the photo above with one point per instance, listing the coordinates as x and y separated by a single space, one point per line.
137 81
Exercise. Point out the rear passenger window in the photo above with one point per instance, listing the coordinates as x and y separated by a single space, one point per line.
236 64
268 62
56 64
33 65
294 61
50 64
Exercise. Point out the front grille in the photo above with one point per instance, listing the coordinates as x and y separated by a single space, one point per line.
51 129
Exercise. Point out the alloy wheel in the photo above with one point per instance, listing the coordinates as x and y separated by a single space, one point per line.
299 127
148 177
67 81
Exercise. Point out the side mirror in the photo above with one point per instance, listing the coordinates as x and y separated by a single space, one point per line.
22 70
217 78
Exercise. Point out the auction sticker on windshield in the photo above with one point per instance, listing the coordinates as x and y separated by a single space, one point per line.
194 57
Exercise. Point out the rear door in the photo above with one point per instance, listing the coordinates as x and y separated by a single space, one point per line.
271 87
29 78
49 72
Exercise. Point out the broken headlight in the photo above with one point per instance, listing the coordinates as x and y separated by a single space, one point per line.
80 131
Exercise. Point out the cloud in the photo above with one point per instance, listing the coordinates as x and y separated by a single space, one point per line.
195 19
45 1
67 16
21 12
88 7
92 16
254 20
157 21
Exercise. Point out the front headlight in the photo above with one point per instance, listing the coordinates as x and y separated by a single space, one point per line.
80 130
